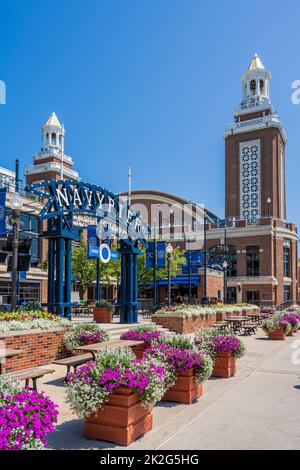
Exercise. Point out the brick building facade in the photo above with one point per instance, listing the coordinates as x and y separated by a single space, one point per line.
263 245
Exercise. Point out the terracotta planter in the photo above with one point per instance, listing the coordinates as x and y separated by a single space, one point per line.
121 420
139 350
277 334
185 390
224 365
102 315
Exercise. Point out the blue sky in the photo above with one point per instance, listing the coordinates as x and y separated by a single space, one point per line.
146 83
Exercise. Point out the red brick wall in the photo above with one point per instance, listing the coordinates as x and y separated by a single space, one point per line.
40 347
184 325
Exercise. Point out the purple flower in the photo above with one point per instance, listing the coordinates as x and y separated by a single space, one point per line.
24 418
139 335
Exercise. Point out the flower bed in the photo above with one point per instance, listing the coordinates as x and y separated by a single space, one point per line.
26 417
186 319
186 368
115 395
142 333
276 328
83 334
223 349
293 320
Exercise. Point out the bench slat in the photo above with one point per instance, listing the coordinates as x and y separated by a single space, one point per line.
32 373
74 360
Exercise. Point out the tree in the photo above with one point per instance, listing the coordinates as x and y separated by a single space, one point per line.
82 267
145 274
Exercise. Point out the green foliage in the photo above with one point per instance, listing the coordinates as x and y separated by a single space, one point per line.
102 304
82 267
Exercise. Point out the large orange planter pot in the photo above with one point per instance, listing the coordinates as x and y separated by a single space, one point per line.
139 350
102 315
121 420
185 390
277 334
224 365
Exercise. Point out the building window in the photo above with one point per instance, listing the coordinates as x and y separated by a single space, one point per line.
252 255
252 297
250 180
286 293
232 269
286 261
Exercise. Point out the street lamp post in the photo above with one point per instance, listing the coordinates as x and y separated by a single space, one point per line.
225 265
268 205
169 253
205 258
16 205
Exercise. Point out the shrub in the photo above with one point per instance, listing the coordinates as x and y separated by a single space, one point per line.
26 417
89 387
102 304
84 333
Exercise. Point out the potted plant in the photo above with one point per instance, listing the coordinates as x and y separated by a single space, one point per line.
224 349
186 368
294 321
276 328
115 395
102 312
26 417
83 334
148 334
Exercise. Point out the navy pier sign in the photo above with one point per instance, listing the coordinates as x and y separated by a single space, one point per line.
71 206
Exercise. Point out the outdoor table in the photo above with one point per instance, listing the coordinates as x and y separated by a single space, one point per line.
236 322
7 353
96 347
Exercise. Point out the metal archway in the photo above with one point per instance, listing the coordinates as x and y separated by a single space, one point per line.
71 206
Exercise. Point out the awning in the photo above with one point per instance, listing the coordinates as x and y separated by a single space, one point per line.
179 281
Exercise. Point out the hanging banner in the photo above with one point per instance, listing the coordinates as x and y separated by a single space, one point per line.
150 253
93 243
161 254
2 211
196 260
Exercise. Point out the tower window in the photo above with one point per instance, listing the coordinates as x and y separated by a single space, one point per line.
261 85
53 138
252 259
253 86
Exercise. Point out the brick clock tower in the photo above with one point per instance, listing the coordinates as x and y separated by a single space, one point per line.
255 152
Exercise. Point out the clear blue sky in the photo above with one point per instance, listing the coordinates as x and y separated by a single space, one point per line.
146 83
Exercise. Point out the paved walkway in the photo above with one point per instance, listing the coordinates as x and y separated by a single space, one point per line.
259 408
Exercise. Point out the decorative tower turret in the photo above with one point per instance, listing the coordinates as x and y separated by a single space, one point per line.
51 163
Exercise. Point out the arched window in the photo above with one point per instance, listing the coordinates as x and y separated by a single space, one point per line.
53 138
253 86
261 86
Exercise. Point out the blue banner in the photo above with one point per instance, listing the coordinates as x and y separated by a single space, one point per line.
150 253
93 243
161 254
196 260
2 211
114 255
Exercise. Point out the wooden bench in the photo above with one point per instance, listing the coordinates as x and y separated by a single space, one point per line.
31 374
74 361
249 328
